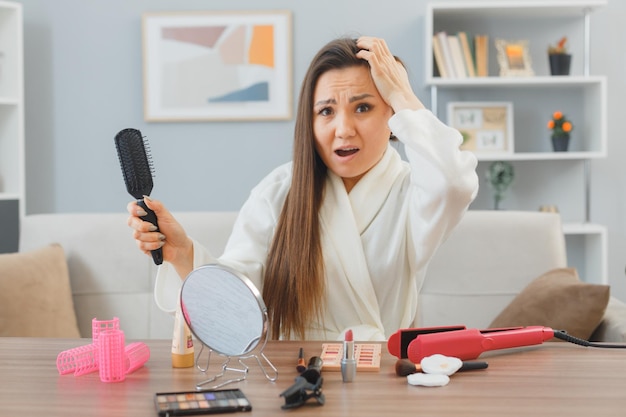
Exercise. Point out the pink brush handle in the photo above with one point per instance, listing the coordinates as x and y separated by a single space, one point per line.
471 343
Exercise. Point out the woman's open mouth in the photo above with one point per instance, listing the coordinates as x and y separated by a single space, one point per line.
346 152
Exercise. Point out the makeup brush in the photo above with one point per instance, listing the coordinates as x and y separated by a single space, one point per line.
405 367
301 367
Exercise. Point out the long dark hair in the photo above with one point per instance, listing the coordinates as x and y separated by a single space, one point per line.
294 284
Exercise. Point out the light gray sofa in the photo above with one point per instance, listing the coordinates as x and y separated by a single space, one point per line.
488 259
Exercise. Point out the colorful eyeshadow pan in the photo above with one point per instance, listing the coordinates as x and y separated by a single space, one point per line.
201 402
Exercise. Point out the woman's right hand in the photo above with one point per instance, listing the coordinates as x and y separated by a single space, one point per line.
389 75
176 245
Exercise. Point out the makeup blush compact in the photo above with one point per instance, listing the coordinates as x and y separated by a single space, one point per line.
367 356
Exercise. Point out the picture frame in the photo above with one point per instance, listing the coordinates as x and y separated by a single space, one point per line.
514 58
486 126
217 66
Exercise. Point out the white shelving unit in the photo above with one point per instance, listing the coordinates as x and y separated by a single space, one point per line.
12 183
581 96
587 249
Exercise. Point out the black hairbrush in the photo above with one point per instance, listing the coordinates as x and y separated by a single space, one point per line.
137 169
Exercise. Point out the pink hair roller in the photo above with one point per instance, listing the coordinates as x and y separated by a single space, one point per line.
99 326
111 356
106 354
81 360
137 354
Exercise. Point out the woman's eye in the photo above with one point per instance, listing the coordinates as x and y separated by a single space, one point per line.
326 111
361 108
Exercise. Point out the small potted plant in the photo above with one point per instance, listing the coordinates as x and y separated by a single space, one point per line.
561 128
560 60
500 176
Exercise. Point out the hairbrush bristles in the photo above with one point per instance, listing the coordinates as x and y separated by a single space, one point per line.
134 154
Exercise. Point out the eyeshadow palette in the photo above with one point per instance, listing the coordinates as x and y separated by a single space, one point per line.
367 356
200 402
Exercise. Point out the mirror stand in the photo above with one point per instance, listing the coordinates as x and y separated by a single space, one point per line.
243 370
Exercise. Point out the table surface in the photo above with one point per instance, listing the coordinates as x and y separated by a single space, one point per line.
554 378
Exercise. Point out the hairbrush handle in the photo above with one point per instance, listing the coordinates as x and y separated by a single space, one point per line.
157 254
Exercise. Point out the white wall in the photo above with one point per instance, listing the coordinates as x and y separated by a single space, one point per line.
83 64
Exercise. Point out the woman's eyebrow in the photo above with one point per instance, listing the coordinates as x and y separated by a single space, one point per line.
325 102
360 97
351 100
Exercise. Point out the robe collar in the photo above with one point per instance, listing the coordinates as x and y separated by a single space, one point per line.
344 217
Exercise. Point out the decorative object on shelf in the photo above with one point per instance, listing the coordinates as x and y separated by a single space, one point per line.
561 128
217 65
548 208
560 60
500 176
513 58
486 126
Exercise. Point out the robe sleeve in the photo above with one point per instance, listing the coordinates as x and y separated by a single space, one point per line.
443 178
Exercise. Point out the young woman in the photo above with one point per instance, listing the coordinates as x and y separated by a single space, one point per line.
340 238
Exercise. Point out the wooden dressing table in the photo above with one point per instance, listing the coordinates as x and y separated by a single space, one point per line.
556 379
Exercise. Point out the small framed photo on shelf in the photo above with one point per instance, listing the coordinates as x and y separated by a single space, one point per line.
486 126
514 58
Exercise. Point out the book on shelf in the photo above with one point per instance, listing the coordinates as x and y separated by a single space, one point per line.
446 53
454 55
439 59
457 56
468 54
481 46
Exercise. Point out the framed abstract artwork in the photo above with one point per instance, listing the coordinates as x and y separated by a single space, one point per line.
217 66
486 127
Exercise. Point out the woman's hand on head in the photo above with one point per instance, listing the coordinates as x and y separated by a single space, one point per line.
177 247
389 75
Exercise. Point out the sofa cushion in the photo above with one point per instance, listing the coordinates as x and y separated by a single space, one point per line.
557 299
36 300
487 260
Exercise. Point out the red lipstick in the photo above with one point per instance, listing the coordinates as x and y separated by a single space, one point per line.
348 363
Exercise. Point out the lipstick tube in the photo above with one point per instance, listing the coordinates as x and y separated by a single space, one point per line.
348 363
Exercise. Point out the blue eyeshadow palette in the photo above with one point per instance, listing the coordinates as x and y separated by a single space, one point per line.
191 403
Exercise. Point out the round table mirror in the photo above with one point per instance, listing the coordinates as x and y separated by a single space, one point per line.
224 310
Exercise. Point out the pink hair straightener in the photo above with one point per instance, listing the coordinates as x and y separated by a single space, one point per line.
462 343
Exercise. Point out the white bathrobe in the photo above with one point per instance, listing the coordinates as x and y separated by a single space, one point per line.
376 241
